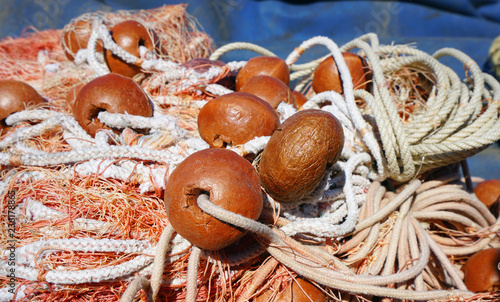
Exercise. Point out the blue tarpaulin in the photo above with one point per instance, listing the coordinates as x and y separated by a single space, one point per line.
280 26
469 25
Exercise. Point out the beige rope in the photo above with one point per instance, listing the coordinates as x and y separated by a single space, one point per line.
192 275
159 262
240 46
134 287
262 272
494 54
361 284
449 129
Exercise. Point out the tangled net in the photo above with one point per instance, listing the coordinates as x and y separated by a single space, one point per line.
178 32
86 220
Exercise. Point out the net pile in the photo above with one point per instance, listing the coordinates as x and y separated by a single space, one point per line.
83 218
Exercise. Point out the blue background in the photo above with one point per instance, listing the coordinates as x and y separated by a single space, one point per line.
280 26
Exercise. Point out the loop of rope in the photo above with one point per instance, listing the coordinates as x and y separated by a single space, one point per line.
163 122
240 46
442 134
352 109
435 137
323 226
351 283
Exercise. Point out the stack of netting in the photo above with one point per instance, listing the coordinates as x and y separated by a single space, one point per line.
84 217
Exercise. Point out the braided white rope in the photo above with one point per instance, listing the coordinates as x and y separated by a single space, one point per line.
285 110
157 80
35 210
253 146
30 115
102 138
100 69
7 293
21 147
50 159
124 120
53 121
217 89
193 74
236 65
192 78
341 220
125 170
27 256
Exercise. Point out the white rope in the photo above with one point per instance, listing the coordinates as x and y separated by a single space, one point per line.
333 224
30 116
7 295
285 110
102 139
124 120
35 210
50 159
256 145
217 89
100 32
27 256
52 122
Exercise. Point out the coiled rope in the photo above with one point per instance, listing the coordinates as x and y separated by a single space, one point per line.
494 56
439 135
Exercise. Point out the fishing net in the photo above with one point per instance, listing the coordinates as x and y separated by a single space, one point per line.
83 217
